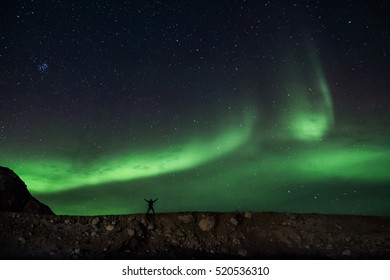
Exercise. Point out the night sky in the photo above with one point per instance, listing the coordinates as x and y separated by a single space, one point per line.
206 105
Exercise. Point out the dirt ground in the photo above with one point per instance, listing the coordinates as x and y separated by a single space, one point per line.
195 235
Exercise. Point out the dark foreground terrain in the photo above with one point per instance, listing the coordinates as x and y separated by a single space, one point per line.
30 230
194 235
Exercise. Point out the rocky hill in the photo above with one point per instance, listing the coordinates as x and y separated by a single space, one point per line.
29 230
14 196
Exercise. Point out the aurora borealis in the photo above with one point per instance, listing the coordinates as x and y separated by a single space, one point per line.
205 105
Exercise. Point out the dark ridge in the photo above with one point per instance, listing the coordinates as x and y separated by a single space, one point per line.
15 197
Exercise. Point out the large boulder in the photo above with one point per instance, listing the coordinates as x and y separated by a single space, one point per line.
14 196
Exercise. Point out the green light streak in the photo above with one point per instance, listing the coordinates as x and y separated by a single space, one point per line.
310 165
310 107
256 180
47 176
371 164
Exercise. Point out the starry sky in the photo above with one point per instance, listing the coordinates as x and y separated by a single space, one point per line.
206 105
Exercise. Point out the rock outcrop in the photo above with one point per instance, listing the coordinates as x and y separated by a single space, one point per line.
15 197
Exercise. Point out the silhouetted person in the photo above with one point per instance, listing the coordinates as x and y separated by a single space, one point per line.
150 203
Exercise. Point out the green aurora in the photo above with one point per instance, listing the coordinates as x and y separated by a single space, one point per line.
309 102
43 175
304 165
